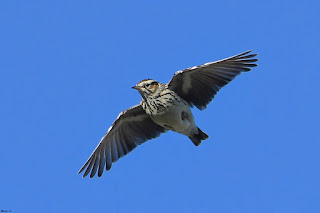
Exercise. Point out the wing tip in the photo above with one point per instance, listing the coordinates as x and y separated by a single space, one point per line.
90 171
249 57
84 175
81 170
246 53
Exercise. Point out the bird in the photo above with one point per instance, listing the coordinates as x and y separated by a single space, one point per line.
166 107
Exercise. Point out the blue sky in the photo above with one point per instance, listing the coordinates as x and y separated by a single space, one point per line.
67 68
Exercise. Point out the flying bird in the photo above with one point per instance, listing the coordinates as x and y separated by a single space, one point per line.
166 107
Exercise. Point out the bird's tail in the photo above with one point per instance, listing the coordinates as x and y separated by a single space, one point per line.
197 138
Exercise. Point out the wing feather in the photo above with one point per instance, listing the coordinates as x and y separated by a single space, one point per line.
102 161
131 128
198 85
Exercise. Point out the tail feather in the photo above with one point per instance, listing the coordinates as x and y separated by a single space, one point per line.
197 138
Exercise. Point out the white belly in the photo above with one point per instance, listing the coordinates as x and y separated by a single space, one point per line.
172 119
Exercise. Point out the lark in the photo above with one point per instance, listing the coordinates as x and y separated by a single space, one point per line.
166 107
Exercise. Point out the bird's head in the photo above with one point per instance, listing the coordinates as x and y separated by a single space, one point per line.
148 87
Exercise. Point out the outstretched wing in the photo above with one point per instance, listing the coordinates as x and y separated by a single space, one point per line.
198 85
132 127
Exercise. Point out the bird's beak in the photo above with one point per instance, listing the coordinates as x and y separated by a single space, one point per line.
136 87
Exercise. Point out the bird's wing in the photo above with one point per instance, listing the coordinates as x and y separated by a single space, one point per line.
198 85
132 127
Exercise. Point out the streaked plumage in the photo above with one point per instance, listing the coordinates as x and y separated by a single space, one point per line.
166 107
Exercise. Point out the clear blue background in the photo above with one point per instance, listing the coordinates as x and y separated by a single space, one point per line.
67 68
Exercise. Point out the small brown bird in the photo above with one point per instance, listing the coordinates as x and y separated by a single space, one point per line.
166 107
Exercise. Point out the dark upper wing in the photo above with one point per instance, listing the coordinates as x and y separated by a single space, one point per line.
132 127
198 85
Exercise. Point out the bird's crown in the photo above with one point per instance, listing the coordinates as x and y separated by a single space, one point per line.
146 81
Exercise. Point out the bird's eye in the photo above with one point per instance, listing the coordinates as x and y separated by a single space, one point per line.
148 85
